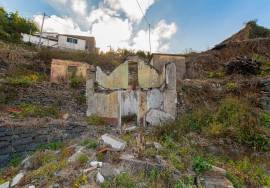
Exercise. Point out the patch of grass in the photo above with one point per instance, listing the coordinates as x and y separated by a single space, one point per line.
51 146
95 120
201 165
231 86
79 181
90 143
265 119
100 156
31 110
76 82
124 180
265 67
247 171
47 171
82 159
216 74
80 99
235 180
15 160
25 80
41 158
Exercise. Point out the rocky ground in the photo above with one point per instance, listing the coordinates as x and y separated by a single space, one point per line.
132 159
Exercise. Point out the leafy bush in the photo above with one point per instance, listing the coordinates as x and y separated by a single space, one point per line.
95 120
201 165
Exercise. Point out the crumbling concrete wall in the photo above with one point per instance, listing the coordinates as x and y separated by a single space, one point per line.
133 88
159 60
60 70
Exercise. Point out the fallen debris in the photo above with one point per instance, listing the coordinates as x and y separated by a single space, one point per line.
5 185
114 142
96 164
74 157
100 178
17 179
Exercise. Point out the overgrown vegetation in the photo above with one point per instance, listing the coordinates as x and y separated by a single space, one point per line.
12 25
257 31
25 80
31 110
95 120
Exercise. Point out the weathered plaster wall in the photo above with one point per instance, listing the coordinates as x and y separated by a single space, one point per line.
118 79
159 60
155 91
59 70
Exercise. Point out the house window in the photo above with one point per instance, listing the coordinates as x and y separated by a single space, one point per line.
71 40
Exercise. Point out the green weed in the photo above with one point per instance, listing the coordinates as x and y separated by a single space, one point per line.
201 165
90 143
216 74
231 86
95 120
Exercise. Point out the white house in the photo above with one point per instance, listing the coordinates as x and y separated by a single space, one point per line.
62 41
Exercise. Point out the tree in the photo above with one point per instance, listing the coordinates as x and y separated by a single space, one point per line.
12 25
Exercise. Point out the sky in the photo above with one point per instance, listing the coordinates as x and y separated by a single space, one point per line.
177 26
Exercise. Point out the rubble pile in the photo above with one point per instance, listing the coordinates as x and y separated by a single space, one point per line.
244 66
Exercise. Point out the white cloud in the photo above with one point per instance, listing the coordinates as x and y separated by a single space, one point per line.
130 7
108 24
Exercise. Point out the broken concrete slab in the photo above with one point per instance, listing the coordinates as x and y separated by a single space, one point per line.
136 166
220 182
5 185
157 117
109 171
96 164
114 142
17 179
157 145
100 179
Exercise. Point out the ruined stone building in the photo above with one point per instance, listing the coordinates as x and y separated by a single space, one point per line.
64 70
133 88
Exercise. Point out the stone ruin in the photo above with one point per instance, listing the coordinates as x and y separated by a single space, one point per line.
133 89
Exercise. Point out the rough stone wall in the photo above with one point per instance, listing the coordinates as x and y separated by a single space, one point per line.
108 97
20 138
59 70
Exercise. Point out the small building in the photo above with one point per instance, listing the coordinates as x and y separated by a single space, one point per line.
158 60
62 41
63 70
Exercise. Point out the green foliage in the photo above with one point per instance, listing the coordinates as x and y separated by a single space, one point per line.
201 165
12 25
30 110
265 67
257 31
82 159
231 86
124 180
95 120
15 160
265 119
235 180
51 146
216 74
76 82
47 171
25 80
246 171
90 143
79 181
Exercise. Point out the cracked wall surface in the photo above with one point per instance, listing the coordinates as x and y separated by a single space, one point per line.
61 70
133 88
